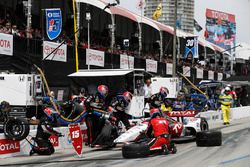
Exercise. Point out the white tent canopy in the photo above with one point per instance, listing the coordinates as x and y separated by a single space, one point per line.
103 72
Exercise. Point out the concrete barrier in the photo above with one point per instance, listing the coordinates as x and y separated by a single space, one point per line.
236 113
10 148
240 112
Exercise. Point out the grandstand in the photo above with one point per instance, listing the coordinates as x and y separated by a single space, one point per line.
155 43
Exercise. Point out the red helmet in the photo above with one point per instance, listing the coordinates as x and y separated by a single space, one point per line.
164 92
102 90
155 112
127 96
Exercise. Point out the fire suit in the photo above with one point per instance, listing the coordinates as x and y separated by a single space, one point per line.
234 98
119 104
156 100
161 137
42 145
93 122
179 105
226 101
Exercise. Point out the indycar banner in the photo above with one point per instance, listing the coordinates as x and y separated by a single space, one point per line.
211 75
95 57
59 55
6 44
191 49
151 65
126 62
199 73
220 28
186 71
76 138
53 23
169 68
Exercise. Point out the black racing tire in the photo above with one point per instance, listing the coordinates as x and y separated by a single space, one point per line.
204 125
208 138
16 128
135 150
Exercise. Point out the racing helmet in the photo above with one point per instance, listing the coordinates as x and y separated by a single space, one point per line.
164 92
227 89
155 112
127 96
82 90
102 91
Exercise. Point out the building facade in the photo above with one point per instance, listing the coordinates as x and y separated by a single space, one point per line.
185 13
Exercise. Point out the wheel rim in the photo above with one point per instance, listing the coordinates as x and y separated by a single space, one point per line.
14 128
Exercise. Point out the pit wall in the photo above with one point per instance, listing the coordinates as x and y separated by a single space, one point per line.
10 148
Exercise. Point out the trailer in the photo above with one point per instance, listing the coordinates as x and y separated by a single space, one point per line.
21 90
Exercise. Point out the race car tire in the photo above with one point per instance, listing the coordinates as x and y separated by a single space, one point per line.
16 128
135 150
208 138
204 125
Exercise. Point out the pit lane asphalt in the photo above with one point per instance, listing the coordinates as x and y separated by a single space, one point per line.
234 152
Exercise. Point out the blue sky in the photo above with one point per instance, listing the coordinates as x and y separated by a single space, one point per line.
241 8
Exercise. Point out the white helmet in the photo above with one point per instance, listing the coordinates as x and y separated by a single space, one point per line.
227 89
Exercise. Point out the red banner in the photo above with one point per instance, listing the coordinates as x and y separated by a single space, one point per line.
220 15
9 146
76 137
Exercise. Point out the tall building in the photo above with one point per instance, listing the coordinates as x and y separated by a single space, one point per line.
185 10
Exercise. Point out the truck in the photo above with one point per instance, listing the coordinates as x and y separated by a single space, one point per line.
173 85
20 91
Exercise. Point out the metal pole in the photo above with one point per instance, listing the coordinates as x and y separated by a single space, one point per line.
174 40
78 17
232 64
88 44
161 45
140 38
140 34
28 17
112 32
205 56
76 37
28 24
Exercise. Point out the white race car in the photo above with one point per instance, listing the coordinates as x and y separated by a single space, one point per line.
183 127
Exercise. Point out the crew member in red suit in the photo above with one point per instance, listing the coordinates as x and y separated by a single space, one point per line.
158 130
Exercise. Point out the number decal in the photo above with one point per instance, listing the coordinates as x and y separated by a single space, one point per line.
75 134
177 127
190 42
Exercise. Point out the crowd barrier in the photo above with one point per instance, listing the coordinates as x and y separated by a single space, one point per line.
10 148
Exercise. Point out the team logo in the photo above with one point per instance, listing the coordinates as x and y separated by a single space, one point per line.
53 23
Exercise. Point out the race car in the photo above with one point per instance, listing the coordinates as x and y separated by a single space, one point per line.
185 124
183 127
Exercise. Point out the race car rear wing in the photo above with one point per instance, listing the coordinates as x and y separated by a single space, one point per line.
188 113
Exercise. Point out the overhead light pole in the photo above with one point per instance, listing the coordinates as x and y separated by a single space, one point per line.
88 18
174 40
